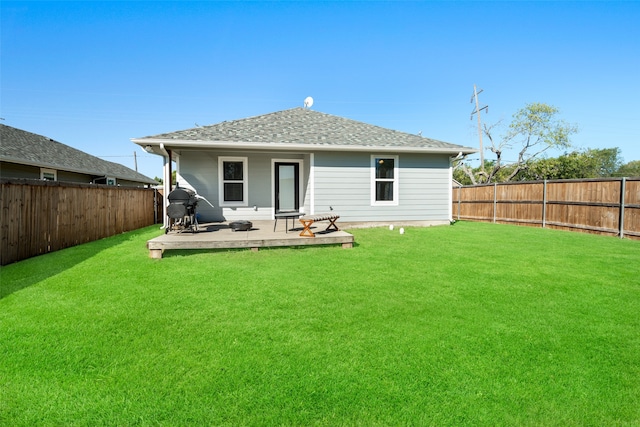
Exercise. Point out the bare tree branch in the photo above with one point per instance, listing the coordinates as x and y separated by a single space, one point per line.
535 128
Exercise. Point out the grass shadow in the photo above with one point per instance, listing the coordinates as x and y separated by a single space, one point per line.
23 274
174 253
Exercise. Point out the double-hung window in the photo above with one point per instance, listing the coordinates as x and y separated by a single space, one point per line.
48 174
384 180
232 178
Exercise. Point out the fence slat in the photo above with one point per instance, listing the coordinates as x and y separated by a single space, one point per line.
38 217
608 206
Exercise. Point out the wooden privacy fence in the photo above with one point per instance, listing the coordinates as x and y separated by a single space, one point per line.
608 206
38 217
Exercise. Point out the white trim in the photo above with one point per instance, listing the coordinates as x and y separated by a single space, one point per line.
245 181
53 172
300 163
178 143
395 181
178 169
166 188
312 184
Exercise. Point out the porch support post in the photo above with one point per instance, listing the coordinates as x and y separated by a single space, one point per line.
312 184
166 184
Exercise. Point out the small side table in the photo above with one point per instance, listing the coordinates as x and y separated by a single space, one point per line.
286 216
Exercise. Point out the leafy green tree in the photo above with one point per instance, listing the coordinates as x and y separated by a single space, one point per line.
591 163
533 130
465 176
629 169
606 162
173 178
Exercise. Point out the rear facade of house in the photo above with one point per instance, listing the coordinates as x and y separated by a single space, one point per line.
416 187
305 161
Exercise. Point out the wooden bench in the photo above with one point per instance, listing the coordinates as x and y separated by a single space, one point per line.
307 220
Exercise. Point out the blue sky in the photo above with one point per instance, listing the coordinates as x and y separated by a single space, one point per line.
93 75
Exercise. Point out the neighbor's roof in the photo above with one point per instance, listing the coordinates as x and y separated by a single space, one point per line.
300 128
19 146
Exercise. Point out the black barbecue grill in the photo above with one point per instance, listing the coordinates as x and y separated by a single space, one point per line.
182 210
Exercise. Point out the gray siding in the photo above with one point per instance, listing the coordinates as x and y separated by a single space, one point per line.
14 170
64 176
20 171
343 181
198 170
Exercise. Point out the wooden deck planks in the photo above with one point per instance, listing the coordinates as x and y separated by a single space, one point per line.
224 238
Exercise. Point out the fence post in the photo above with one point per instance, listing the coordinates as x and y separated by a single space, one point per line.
495 201
155 206
623 184
459 197
544 203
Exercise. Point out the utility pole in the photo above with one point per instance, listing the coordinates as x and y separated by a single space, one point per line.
135 161
477 111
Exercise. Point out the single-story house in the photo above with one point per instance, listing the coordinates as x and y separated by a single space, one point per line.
26 155
306 161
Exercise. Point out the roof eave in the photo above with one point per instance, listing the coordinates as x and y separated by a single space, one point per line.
154 146
72 170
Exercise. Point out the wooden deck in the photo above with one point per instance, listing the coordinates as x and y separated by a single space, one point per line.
261 235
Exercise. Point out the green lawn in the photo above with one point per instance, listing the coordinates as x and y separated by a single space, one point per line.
473 324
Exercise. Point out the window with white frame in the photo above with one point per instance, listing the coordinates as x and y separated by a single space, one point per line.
384 180
48 174
232 178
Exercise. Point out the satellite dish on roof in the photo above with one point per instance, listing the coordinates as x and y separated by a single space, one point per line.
308 102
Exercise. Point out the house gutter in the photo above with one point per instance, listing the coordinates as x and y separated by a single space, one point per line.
232 145
166 184
460 156
155 145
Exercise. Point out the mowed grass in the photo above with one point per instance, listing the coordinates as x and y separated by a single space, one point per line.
473 324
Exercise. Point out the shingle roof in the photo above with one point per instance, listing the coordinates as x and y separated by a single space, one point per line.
19 146
301 126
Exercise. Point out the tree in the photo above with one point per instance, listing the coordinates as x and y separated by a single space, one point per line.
591 163
567 166
464 174
629 169
173 178
606 161
534 129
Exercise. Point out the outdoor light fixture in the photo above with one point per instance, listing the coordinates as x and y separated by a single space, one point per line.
148 149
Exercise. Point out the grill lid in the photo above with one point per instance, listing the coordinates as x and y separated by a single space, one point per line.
180 195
